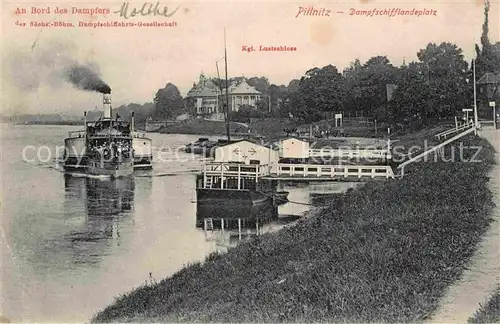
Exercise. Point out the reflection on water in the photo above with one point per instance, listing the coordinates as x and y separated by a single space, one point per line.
77 238
232 221
71 244
110 197
232 210
223 225
107 203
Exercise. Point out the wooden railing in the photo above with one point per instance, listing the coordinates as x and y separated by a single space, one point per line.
331 171
235 169
433 149
297 171
349 153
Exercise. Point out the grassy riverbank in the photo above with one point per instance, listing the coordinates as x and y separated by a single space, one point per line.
203 127
386 252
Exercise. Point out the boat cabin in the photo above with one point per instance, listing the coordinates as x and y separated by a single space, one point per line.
293 148
245 152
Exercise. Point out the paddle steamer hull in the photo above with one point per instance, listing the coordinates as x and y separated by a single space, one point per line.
113 170
75 157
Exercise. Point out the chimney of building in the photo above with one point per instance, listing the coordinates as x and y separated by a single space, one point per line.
106 104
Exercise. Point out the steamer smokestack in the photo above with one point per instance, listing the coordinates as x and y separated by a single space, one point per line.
106 103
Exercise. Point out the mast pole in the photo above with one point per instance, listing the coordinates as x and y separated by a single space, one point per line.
110 129
227 89
475 97
85 130
219 88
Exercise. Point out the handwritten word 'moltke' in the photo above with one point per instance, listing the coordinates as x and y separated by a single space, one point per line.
145 10
311 11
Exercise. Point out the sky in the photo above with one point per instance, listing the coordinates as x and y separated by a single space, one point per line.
137 61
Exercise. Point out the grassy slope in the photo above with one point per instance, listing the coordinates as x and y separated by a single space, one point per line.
265 127
385 253
490 312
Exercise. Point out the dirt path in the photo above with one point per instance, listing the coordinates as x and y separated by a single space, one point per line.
483 274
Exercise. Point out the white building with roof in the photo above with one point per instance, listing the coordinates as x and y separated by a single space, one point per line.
202 99
205 99
242 94
293 148
246 152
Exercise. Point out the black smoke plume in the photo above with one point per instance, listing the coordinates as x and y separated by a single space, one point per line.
85 78
50 63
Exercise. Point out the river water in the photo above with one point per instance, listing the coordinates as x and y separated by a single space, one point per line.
70 243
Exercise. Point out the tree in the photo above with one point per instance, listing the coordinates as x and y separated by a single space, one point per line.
245 112
320 90
168 102
410 100
487 57
447 77
366 86
142 112
259 83
352 78
293 86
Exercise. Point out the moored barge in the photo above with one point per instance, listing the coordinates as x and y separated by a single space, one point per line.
221 182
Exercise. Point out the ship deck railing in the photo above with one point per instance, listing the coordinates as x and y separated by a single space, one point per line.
108 136
78 133
138 135
81 133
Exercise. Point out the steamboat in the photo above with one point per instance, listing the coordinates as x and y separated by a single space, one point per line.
76 155
108 145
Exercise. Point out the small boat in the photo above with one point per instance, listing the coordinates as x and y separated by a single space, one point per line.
210 147
196 146
203 146
280 197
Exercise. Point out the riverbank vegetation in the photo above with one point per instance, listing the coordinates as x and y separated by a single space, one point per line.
385 252
403 95
490 312
204 127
